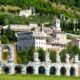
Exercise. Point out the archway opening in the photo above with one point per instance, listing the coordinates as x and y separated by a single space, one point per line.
52 70
6 70
30 70
72 71
41 70
18 70
63 71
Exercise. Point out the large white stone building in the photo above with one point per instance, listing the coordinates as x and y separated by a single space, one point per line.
23 28
27 12
42 37
31 39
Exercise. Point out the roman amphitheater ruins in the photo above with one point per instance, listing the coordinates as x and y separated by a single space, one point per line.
36 67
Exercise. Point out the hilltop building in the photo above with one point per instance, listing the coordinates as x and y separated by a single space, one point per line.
27 12
28 40
42 37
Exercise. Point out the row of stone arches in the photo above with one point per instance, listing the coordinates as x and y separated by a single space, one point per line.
41 70
52 71
63 71
6 69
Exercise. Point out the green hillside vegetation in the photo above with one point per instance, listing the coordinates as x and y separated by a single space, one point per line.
50 8
72 3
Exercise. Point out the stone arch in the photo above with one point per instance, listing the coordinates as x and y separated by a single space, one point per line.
52 70
9 49
63 71
72 71
5 69
18 69
41 70
30 70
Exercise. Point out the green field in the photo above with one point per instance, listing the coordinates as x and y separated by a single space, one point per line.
36 77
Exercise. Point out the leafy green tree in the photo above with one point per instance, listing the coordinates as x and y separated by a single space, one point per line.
71 50
4 39
52 55
41 54
10 35
5 55
25 56
31 54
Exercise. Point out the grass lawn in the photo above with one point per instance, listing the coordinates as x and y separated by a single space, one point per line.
36 77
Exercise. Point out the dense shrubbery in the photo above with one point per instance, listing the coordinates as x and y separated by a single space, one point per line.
71 26
40 5
11 19
44 8
27 55
8 36
71 50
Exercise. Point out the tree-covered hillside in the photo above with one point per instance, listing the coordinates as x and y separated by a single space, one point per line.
45 10
43 6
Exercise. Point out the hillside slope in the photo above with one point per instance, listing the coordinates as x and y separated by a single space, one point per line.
45 10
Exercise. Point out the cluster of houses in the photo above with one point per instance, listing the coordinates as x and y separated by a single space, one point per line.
48 38
36 36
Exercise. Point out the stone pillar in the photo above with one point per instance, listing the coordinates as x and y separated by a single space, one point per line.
0 69
42 28
58 71
47 57
76 59
58 60
11 55
11 70
47 71
67 58
23 70
36 59
76 71
36 69
0 53
68 72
